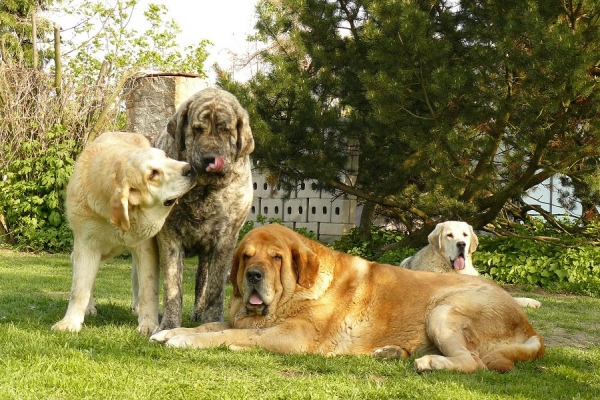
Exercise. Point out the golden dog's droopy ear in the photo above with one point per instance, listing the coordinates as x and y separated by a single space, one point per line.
474 241
245 142
235 267
176 126
435 237
306 264
119 208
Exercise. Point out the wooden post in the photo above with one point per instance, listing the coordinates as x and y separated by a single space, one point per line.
57 60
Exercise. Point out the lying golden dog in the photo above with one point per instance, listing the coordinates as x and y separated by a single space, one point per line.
118 198
294 295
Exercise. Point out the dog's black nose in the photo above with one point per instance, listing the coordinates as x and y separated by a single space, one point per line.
461 245
254 275
187 171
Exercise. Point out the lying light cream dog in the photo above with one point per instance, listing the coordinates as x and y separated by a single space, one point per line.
118 198
451 245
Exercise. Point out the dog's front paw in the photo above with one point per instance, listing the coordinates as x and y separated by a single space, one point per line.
181 341
67 325
391 352
163 335
147 329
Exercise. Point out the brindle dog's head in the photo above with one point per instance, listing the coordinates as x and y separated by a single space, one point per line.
211 131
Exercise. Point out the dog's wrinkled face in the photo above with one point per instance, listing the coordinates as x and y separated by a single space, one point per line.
211 131
151 180
455 240
269 265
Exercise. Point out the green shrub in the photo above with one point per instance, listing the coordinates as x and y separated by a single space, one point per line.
535 263
570 265
32 192
353 244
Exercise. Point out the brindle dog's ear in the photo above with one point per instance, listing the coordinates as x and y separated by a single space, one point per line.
177 124
119 208
435 237
306 264
245 142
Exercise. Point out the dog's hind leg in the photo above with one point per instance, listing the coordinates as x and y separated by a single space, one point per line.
135 289
172 254
446 329
211 277
502 357
145 257
85 268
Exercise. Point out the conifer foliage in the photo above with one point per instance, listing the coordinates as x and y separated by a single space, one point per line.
458 107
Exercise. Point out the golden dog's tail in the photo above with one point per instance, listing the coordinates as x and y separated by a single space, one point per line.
503 357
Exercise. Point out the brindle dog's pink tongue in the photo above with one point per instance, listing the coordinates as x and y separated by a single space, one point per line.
216 166
459 263
255 299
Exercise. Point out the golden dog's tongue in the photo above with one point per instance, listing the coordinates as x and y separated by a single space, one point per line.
459 263
255 299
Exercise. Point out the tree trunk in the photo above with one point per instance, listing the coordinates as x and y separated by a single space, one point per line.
366 222
4 234
57 60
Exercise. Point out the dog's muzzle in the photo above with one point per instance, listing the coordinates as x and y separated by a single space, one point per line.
213 163
255 302
459 262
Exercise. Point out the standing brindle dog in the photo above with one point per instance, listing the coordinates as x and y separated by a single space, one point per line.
211 132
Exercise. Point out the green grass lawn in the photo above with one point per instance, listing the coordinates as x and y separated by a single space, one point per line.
109 360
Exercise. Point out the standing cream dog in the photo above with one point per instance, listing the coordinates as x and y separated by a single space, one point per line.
118 198
450 249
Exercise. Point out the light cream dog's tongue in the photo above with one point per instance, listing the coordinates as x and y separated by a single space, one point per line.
459 263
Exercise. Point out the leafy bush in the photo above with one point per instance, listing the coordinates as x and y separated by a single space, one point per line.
568 264
32 192
535 263
353 244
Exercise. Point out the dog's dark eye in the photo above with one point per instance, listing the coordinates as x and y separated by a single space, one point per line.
222 128
450 235
277 258
154 174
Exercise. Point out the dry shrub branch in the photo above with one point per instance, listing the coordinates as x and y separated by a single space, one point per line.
41 132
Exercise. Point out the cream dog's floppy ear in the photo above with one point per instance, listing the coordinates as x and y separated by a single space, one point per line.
245 141
306 264
119 207
435 237
474 241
